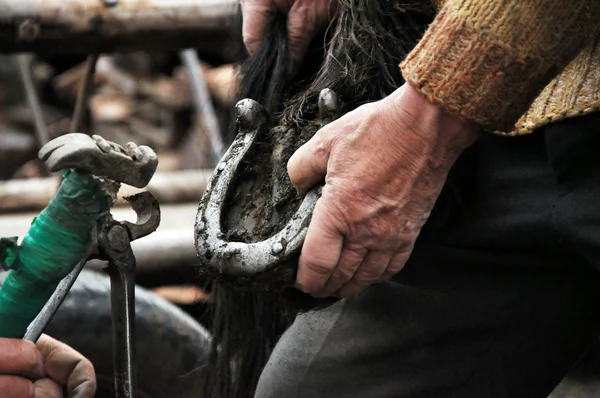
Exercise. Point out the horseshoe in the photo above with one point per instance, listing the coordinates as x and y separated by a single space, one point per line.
240 259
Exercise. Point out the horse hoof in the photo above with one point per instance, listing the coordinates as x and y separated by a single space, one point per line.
330 106
251 224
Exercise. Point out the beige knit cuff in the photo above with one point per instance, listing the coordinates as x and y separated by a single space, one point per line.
473 75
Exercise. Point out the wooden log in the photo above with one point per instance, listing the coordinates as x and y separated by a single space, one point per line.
170 91
168 187
83 26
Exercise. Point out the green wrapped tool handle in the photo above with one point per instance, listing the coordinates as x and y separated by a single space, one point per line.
57 240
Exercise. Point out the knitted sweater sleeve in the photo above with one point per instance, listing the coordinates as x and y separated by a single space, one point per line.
487 60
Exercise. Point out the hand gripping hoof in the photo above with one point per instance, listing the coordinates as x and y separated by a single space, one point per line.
133 165
225 256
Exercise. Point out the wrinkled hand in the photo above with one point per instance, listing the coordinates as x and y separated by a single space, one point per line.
305 19
44 370
384 165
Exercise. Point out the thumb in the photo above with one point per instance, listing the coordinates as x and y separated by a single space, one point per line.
308 165
255 17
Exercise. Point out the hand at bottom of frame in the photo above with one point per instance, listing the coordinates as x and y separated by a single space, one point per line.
47 369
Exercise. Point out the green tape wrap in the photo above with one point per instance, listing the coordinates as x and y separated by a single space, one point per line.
57 240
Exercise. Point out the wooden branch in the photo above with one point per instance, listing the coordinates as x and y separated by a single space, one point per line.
83 26
168 187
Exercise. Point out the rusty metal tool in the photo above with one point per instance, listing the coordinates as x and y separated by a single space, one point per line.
133 165
114 243
242 259
110 239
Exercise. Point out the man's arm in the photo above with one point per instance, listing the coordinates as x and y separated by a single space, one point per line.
486 61
480 64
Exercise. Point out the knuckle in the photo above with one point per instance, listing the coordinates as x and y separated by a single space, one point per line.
379 230
337 204
250 42
390 273
298 35
320 268
353 253
293 167
48 347
366 277
86 389
321 148
392 270
308 164
86 367
385 277
397 263
342 275
312 277
84 372
404 245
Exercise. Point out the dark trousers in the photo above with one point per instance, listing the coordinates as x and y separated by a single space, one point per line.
499 299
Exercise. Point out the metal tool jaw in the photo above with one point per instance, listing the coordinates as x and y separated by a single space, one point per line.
116 236
111 241
114 244
133 165
237 259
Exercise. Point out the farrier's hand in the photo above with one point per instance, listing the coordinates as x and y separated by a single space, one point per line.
384 166
305 19
44 370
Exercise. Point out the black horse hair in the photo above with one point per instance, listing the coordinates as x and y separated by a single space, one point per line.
358 57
